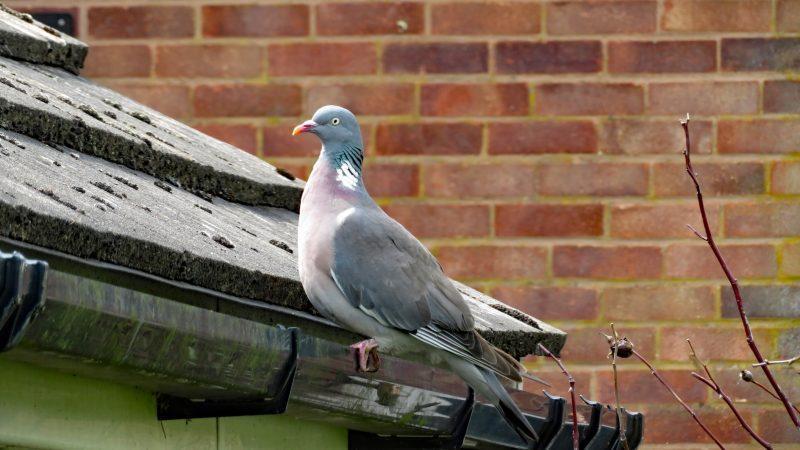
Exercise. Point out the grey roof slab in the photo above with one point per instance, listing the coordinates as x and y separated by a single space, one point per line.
54 106
86 206
22 37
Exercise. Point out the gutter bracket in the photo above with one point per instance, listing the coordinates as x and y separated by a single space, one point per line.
594 422
455 440
178 408
22 296
553 422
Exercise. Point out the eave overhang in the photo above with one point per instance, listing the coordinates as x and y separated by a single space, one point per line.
191 345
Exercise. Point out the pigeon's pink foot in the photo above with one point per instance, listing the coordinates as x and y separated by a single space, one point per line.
367 358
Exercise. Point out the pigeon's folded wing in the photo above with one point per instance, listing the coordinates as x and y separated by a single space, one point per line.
387 273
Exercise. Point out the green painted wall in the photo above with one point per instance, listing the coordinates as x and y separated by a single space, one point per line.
47 409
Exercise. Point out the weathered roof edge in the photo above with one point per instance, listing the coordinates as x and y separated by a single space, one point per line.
22 37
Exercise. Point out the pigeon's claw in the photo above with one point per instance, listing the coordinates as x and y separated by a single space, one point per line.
366 354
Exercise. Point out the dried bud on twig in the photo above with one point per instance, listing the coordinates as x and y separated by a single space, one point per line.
623 345
746 375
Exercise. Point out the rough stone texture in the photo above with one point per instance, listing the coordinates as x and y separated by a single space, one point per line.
54 197
772 301
53 106
23 38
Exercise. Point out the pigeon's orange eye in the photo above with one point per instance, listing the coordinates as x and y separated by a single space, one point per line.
335 121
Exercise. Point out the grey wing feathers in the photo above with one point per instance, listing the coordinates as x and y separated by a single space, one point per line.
387 273
472 347
383 270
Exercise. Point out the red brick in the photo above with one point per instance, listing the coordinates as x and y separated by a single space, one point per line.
585 345
639 137
479 180
645 221
170 100
704 98
549 220
758 136
775 425
392 180
786 177
601 17
429 139
109 61
365 18
589 98
671 424
509 138
436 58
782 96
322 59
214 61
662 57
608 179
116 22
640 386
278 141
240 136
374 99
606 262
759 54
255 20
247 100
788 15
502 99
485 17
737 178
667 302
429 221
697 261
790 260
548 57
551 302
506 262
775 219
711 343
716 15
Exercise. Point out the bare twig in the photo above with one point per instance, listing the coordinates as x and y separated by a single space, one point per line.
747 377
788 362
615 351
571 381
712 383
709 238
678 398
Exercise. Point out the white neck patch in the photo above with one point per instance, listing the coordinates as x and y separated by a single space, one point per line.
347 175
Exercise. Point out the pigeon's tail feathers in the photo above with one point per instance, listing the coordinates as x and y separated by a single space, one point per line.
486 383
508 409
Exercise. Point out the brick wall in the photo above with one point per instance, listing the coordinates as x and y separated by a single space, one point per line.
534 145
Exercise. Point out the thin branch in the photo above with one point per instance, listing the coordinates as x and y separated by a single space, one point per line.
678 398
712 383
788 362
709 238
615 350
571 381
747 377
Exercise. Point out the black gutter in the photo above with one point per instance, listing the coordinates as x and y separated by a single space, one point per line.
209 354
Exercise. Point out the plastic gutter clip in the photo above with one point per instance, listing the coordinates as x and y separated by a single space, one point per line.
553 422
594 422
172 408
22 295
453 441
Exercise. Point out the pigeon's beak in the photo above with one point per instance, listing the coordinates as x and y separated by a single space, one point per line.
308 125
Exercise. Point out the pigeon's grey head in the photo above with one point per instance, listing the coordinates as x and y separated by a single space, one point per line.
335 126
